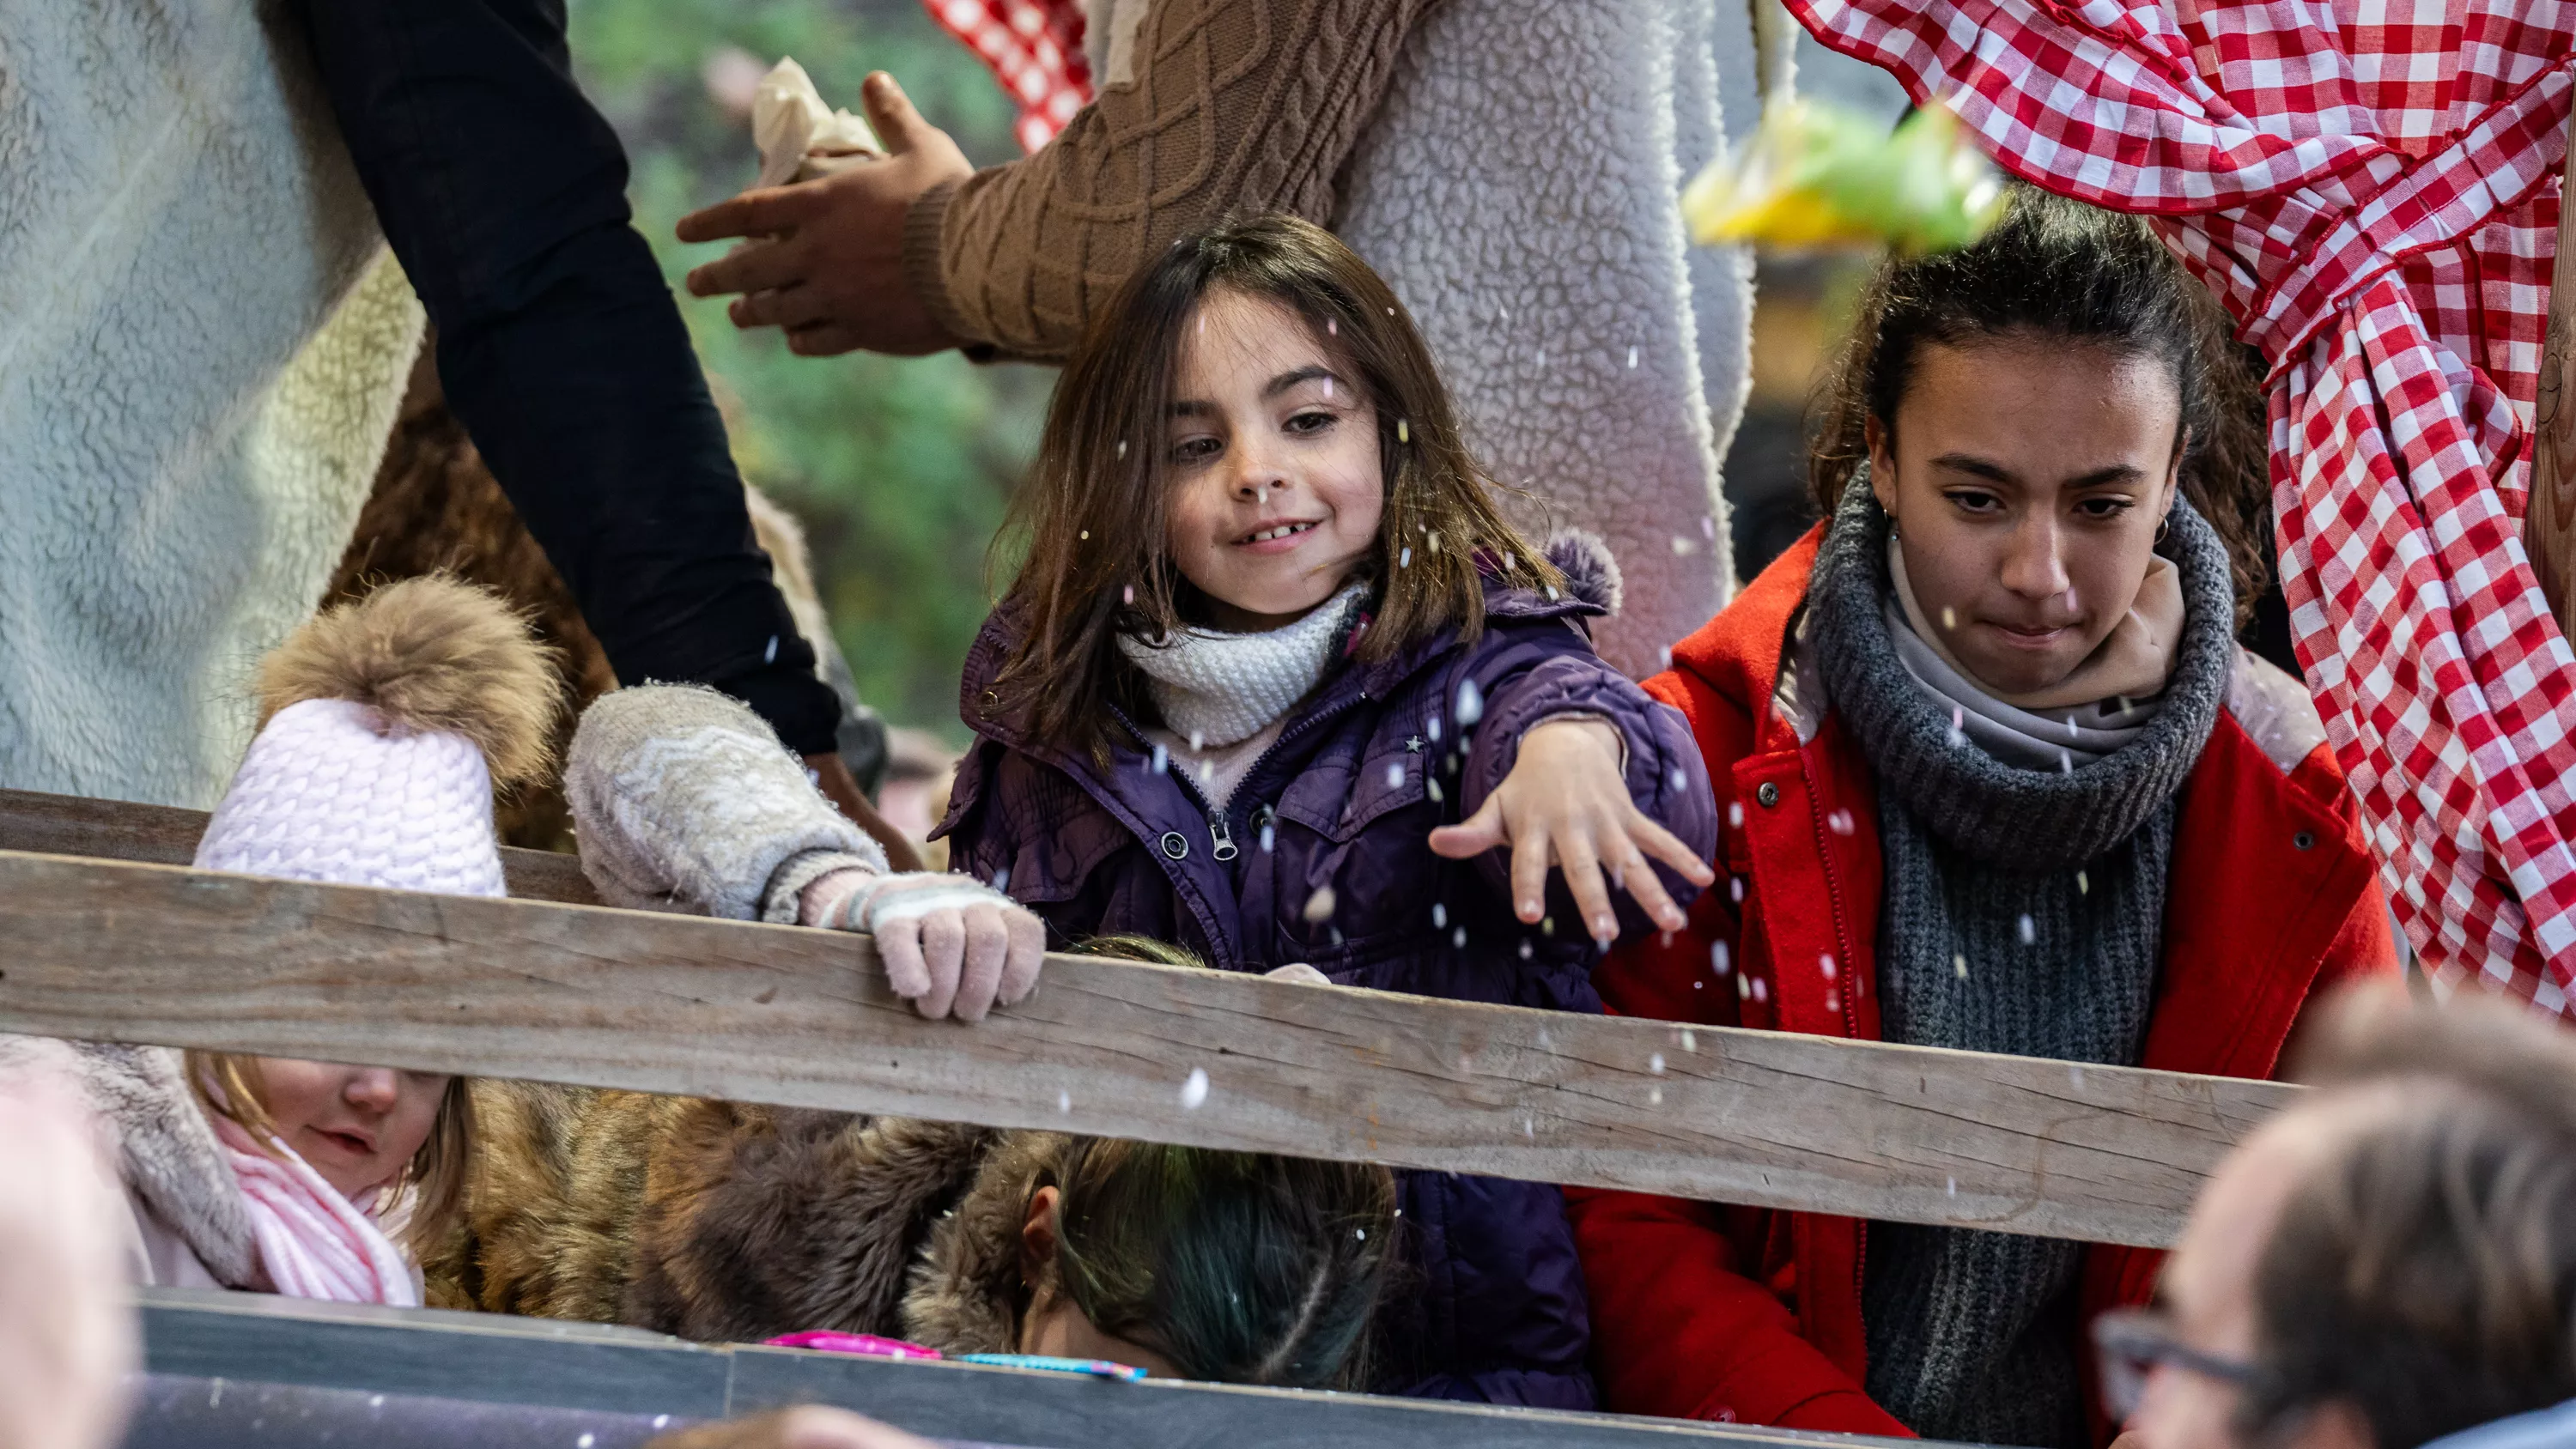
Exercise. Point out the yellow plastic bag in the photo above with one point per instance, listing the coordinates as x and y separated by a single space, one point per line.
1812 176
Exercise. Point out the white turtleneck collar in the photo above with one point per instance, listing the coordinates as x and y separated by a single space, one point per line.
1219 689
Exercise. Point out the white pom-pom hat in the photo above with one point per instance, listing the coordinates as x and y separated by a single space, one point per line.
385 724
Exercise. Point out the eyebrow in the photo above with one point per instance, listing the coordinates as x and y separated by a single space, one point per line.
1287 380
1194 407
1977 467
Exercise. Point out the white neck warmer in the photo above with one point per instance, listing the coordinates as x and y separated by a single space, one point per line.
1217 689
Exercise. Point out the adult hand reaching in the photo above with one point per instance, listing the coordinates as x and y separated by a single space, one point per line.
825 257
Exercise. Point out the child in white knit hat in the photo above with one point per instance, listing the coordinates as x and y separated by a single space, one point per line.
384 726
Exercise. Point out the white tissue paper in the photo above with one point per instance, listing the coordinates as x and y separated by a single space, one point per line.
799 137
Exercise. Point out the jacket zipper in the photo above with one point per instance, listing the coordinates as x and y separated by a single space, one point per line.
1220 828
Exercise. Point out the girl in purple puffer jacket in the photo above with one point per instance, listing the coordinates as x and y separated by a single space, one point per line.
1278 683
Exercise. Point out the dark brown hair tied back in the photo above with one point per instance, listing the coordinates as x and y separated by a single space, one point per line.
2055 268
1093 513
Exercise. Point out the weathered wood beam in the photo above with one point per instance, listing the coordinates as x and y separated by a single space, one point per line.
660 1003
2549 524
166 835
605 1385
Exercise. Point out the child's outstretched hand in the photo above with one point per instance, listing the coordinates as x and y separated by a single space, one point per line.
1564 804
950 944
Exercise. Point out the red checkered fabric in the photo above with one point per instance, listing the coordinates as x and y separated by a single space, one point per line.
2372 188
1035 50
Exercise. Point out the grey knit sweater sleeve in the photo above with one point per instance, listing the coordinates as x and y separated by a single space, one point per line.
683 799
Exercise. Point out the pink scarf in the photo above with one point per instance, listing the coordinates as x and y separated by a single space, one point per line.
315 1243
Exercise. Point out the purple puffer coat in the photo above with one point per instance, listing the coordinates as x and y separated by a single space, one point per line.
1366 767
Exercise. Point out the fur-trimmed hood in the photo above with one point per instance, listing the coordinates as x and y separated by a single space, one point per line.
167 1157
730 1222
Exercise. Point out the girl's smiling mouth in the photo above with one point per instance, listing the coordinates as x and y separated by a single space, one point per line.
1271 537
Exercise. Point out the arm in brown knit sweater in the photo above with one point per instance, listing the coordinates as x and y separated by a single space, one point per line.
1236 107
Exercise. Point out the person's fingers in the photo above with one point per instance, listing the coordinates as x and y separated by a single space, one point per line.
988 945
943 951
899 947
1667 847
1027 958
1532 853
790 307
1582 866
807 1426
1632 870
1474 835
891 115
750 269
824 339
812 1426
765 212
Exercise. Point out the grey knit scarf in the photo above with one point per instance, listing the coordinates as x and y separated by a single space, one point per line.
2023 913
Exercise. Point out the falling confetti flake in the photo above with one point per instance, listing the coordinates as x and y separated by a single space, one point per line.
1439 914
1959 967
1471 704
1720 959
1403 431
2029 932
1655 1063
1194 1091
1632 359
1319 906
1690 1042
1394 775
1825 963
1162 760
1064 1101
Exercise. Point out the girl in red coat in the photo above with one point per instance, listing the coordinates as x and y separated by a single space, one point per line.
1995 775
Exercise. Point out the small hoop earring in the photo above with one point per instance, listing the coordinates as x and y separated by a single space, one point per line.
2164 526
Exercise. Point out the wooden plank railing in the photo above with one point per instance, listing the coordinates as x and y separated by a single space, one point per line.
587 995
167 835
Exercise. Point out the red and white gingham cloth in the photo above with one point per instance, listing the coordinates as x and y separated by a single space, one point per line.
2372 188
1034 48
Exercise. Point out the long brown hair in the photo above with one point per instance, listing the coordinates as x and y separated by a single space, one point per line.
1099 563
2061 269
228 1084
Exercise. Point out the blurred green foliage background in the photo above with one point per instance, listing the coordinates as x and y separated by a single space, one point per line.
901 468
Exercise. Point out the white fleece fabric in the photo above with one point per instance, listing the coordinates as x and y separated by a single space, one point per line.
195 388
1520 190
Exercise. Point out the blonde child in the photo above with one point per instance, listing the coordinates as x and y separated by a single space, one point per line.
384 725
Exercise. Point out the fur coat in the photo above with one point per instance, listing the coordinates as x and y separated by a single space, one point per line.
727 1222
206 344
191 1228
